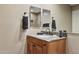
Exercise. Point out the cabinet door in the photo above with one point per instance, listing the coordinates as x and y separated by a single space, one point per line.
35 49
28 48
62 46
53 47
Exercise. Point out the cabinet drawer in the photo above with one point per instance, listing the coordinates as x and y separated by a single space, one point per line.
36 41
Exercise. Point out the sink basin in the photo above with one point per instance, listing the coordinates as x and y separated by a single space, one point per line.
44 36
47 36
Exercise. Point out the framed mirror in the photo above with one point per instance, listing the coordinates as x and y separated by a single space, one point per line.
46 18
35 17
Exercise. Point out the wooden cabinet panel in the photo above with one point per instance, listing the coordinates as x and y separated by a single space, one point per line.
45 47
62 46
36 41
39 49
53 47
35 49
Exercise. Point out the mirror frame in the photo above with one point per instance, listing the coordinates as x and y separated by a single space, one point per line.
50 19
30 16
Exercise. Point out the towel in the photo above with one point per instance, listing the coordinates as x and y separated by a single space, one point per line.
25 22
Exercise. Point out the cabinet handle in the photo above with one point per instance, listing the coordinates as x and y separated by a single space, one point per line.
44 44
33 45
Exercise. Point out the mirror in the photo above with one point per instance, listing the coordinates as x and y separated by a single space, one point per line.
46 18
35 16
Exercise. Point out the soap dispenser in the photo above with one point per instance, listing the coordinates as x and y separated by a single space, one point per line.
60 33
64 33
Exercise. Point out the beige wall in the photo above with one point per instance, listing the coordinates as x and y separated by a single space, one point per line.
73 38
63 17
10 18
75 19
11 36
72 43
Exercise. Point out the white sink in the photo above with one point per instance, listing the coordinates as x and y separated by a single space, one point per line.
47 37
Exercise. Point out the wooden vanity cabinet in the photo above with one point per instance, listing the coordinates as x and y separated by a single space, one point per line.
38 46
62 46
57 47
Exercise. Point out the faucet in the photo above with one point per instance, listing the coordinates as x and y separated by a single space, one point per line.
48 30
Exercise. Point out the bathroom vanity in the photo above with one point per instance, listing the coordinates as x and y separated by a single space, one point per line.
45 44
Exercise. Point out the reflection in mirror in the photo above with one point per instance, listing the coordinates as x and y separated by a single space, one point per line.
46 15
35 16
46 18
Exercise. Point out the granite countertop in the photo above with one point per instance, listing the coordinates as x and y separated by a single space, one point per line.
48 37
